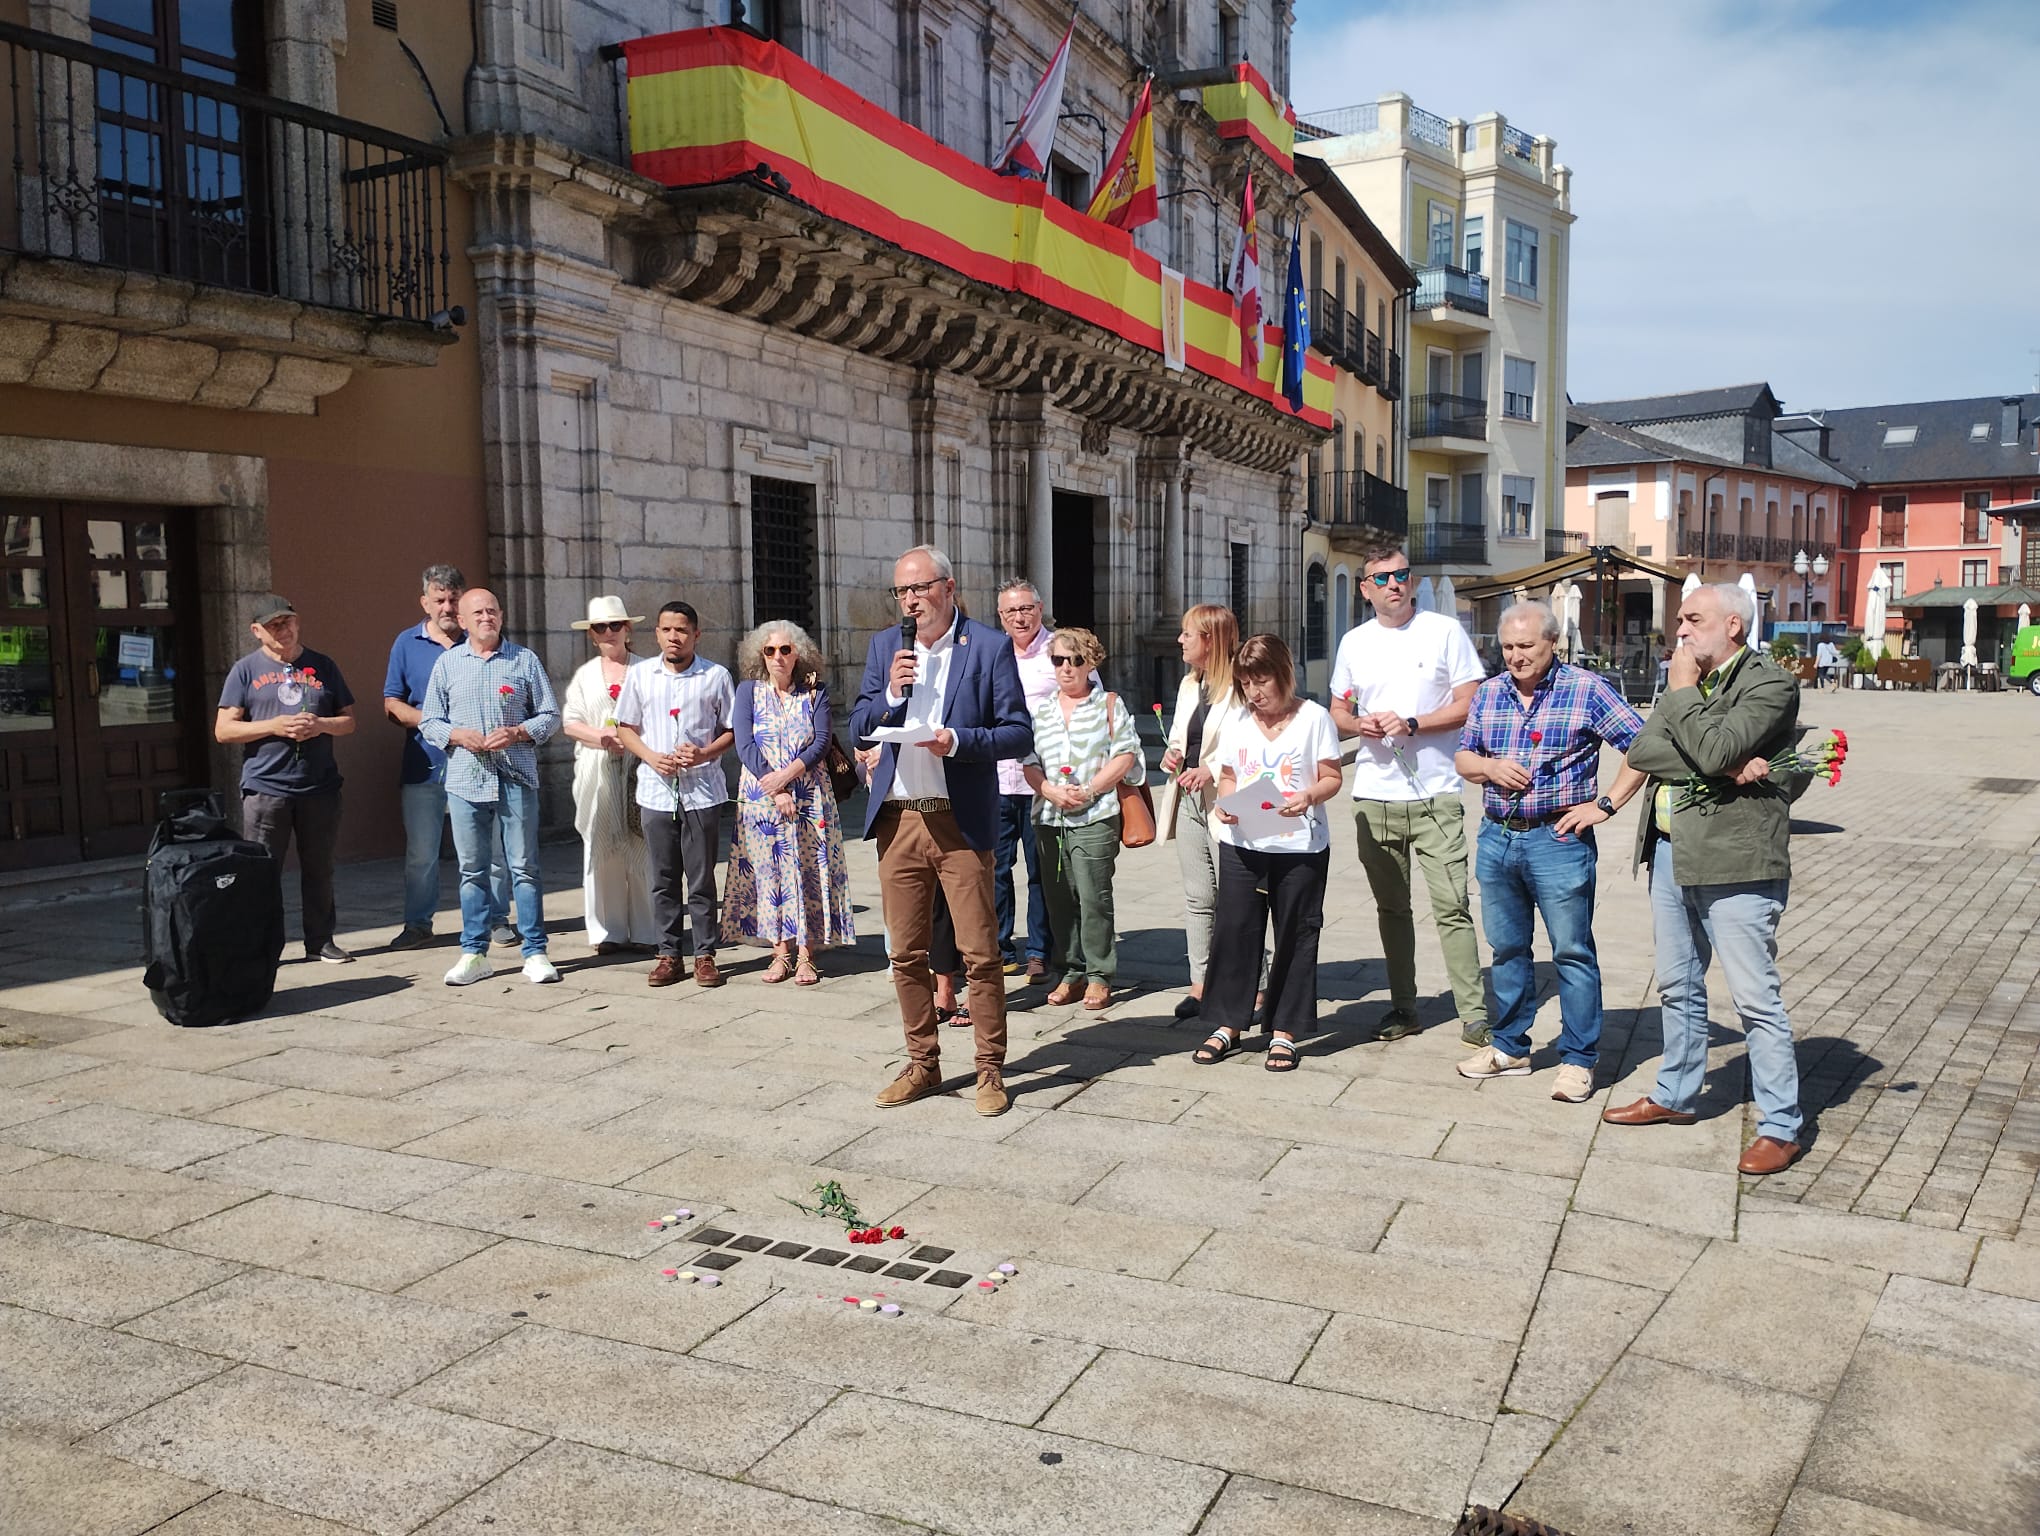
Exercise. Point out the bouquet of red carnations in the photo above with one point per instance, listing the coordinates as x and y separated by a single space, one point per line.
1823 759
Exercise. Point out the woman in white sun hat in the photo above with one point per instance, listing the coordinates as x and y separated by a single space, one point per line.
613 888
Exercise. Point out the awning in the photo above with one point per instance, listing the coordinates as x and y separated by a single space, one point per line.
1954 597
1550 572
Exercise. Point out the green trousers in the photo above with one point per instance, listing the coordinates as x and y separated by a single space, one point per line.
1076 877
1433 831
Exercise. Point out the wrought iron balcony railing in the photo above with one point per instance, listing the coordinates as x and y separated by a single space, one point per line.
1391 386
1448 416
1370 364
1348 498
1559 542
1451 288
108 159
1448 544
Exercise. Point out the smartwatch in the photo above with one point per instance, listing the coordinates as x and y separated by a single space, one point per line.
1606 805
1411 722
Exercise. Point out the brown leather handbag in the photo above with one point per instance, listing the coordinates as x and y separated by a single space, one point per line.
1136 805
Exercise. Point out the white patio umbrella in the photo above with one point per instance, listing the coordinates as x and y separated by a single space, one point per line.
1748 583
1691 586
1448 598
1873 615
1571 603
1969 632
1427 597
2025 614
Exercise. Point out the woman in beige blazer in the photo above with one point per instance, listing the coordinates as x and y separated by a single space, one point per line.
1206 704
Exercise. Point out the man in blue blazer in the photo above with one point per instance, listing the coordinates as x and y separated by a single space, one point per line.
934 808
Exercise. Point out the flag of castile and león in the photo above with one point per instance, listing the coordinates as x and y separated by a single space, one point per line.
1126 192
1243 282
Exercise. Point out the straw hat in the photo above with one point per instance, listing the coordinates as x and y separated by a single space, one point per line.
607 609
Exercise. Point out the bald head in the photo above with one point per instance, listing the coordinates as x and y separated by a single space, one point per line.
481 615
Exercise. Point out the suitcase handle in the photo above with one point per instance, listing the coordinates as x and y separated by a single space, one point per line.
189 816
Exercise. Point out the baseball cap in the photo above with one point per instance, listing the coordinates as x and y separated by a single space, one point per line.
268 608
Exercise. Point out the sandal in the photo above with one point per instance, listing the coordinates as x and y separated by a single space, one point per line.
1218 1045
806 974
780 968
960 1019
1285 1061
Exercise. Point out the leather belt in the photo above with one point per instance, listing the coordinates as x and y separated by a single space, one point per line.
927 805
1525 823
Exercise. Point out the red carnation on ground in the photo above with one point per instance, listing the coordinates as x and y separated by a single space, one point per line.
896 1232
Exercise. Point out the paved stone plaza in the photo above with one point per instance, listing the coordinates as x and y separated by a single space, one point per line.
380 1260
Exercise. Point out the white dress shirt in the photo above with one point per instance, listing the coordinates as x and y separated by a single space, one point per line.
666 708
917 772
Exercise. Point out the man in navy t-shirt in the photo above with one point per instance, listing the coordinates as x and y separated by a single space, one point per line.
412 657
283 705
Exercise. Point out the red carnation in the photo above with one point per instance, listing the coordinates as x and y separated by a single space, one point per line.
896 1232
1267 805
1536 737
616 690
1067 770
506 690
308 674
674 712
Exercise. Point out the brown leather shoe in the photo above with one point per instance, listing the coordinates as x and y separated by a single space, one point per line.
1646 1112
1767 1154
1037 969
705 973
665 971
991 1092
916 1081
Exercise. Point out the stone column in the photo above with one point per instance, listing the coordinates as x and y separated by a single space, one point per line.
1040 522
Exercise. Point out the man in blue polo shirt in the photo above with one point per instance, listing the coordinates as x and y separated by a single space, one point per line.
416 651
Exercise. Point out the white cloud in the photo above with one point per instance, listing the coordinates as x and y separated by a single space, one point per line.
1844 207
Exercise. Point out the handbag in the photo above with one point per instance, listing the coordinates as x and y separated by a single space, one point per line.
1136 805
841 770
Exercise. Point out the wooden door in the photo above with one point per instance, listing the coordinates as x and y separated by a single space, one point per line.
100 709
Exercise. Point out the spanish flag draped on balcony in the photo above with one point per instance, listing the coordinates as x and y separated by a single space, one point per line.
718 105
1248 109
1126 193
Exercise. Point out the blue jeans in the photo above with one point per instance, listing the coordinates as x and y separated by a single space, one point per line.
424 814
1740 924
1539 873
476 832
1016 829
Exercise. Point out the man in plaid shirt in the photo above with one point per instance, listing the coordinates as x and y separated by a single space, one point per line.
489 706
1533 740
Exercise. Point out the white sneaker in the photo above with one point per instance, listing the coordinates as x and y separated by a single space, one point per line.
468 970
1489 1062
1575 1085
538 970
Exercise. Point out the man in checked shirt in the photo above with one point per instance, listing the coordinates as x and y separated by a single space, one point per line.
1533 740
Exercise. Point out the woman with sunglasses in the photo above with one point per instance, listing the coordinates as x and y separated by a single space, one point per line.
1272 860
789 886
1085 747
615 893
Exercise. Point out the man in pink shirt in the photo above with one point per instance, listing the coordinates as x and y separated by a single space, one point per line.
1021 615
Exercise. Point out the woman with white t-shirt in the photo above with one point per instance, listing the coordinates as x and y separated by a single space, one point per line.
1273 857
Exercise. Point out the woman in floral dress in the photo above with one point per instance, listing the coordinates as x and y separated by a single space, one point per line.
789 886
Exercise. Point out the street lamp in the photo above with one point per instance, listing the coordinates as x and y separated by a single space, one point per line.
1806 570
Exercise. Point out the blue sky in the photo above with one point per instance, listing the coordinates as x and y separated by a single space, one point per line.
1840 198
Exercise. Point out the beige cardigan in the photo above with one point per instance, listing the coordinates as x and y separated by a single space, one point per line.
1217 716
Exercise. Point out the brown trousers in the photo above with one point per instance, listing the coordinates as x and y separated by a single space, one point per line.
918 852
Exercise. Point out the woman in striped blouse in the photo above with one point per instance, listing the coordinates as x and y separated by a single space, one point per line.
1085 746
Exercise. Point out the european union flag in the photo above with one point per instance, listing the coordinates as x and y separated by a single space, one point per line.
1295 326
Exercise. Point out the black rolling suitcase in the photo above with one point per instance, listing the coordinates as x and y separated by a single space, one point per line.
212 915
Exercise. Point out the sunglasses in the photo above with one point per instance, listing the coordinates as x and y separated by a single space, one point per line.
776 650
609 627
1383 578
1066 661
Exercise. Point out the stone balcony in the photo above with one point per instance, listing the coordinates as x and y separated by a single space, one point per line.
281 252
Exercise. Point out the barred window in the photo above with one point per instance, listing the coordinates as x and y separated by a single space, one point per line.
1316 616
1239 588
784 562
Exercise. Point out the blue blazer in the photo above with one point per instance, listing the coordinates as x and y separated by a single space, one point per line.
986 709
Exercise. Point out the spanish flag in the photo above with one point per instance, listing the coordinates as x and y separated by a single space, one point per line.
1126 192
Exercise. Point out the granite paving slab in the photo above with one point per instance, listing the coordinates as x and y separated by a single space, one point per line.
337 1072
54 1490
1444 1235
1352 1170
92 1278
1580 1329
1132 1101
1426 1368
1965 1324
541 1210
1250 1507
362 1177
329 1242
753 1183
156 1090
1041 1229
1009 1167
580 1104
1810 1513
1775 1320
317 1116
61 1380
1691 1200
1265 1207
1093 1139
591 1157
317 1449
112 1197
1627 1251
229 1514
1849 1238
159 1044
109 1133
22 1065
2009 1269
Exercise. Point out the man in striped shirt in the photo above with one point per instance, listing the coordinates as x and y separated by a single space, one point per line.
489 707
1533 739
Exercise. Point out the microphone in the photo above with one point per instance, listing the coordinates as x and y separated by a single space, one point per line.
906 643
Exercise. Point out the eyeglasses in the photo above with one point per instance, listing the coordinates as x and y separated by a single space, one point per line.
915 588
1066 661
1018 609
776 650
608 627
1383 578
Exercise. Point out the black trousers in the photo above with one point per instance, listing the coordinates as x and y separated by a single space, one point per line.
681 848
1255 889
313 822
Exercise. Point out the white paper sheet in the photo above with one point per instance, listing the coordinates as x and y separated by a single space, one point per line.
911 734
1255 823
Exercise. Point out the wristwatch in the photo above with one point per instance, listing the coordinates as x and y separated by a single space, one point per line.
1607 806
1411 722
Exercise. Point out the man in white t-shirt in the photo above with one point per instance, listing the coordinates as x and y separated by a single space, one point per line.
1402 684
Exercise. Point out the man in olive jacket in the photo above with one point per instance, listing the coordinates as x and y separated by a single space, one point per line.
1719 868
